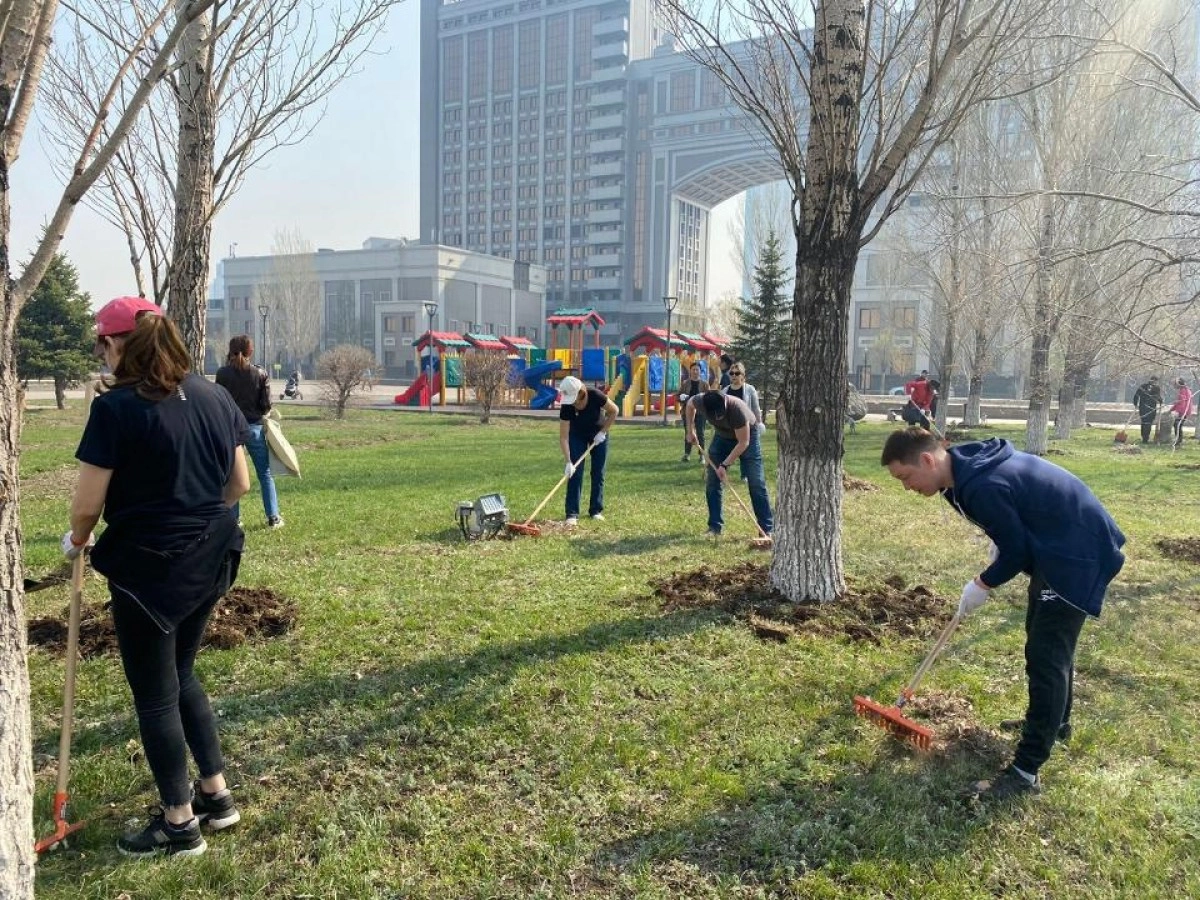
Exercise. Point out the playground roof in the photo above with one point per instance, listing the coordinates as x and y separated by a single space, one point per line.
517 343
443 339
485 341
697 341
654 337
721 342
581 316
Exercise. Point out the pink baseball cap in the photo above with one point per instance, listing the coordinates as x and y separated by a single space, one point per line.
120 316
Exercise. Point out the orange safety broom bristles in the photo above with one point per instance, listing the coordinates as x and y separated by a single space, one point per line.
893 720
523 528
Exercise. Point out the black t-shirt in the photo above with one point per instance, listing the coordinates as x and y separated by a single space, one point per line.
168 458
585 423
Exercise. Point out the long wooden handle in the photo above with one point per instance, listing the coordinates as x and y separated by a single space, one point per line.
736 495
938 645
64 737
561 482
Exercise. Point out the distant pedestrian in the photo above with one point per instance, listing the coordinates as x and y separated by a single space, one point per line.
920 393
1147 399
693 387
1181 409
747 393
585 418
726 363
250 387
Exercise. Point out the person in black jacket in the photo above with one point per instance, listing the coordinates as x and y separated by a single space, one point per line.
1042 521
694 386
1148 398
251 389
159 459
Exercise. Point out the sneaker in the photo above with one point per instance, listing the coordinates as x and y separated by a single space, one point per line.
161 837
215 811
1018 725
275 522
712 534
685 458
599 517
1008 785
572 521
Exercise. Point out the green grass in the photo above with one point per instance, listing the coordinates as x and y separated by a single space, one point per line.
521 719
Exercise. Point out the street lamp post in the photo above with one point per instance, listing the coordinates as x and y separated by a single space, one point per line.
431 309
263 309
670 303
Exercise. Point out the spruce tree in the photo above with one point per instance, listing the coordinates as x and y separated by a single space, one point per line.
54 331
764 325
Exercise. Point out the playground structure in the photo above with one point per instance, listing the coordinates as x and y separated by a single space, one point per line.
640 377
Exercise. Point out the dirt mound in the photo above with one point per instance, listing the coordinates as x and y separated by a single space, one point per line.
864 613
850 483
1127 448
956 727
1189 466
244 614
1186 549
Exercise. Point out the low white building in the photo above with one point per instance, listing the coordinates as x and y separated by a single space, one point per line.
379 296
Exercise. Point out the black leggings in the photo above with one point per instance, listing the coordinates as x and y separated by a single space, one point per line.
172 709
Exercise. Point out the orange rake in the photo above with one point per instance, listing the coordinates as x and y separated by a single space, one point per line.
891 717
527 527
61 826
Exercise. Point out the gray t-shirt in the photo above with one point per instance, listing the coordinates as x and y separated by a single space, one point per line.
737 415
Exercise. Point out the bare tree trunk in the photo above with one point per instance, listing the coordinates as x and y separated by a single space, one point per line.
954 304
60 392
1039 357
1080 385
187 293
971 415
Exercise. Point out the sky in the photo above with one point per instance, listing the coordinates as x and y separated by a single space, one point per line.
356 176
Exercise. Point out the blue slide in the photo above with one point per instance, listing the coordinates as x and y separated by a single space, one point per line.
544 394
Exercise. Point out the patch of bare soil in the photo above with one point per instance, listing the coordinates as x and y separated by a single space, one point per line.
1189 466
956 727
1186 549
244 614
957 434
864 613
1133 449
850 483
1055 451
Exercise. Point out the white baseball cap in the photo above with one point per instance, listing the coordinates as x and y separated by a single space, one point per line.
570 387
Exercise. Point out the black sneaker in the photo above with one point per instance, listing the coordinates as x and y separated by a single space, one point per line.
215 811
275 522
161 837
1018 725
1008 785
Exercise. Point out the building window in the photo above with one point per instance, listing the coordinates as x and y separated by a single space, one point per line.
406 324
869 317
529 55
683 91
556 50
502 67
906 317
477 67
452 59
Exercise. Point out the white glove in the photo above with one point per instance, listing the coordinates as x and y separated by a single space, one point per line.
683 398
70 549
600 439
568 470
762 427
973 597
993 553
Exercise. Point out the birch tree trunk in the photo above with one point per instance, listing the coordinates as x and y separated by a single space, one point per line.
1039 356
187 284
808 554
971 416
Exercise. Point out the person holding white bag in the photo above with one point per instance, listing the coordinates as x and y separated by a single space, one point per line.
693 387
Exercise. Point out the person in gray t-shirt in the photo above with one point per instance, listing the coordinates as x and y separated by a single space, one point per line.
736 439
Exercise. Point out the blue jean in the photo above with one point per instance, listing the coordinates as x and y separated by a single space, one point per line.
256 446
173 711
598 457
698 424
752 470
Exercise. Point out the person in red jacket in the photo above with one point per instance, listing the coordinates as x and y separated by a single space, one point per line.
920 400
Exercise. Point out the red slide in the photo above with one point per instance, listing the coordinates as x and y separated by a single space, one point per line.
415 394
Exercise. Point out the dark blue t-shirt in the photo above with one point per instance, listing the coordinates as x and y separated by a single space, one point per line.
585 423
169 458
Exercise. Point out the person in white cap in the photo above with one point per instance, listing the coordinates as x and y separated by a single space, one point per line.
585 417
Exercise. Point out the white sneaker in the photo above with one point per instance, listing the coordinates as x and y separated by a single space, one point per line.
572 521
599 517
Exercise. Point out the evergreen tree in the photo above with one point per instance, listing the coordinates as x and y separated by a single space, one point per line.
765 324
54 331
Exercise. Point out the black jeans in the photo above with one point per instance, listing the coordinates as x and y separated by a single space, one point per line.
1052 629
1147 421
172 709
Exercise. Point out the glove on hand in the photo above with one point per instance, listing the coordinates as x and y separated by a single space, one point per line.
993 553
973 597
71 550
600 439
762 427
568 470
683 398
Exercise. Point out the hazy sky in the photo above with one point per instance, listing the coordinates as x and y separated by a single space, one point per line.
354 177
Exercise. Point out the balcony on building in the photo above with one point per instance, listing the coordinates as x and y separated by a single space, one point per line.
607 121
606 169
606 192
607 233
604 260
618 25
597 216
607 97
607 145
609 71
617 50
604 283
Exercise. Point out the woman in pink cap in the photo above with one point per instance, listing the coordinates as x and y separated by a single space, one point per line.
160 460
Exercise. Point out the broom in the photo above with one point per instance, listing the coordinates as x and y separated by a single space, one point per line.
527 527
891 717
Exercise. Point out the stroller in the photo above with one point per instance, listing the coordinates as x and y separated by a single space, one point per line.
291 390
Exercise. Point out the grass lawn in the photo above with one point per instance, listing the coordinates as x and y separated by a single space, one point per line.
525 719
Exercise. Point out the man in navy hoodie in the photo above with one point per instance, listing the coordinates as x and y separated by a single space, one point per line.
1042 521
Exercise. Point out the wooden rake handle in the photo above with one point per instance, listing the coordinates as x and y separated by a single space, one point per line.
64 737
561 482
736 495
933 654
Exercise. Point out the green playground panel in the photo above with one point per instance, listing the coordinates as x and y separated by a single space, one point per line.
453 371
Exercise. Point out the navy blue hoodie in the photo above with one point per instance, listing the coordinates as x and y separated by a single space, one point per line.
1040 517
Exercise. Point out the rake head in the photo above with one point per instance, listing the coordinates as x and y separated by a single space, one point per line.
62 828
761 543
893 720
524 528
